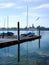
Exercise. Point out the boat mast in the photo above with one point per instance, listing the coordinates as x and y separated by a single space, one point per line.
7 23
3 29
27 29
4 22
27 13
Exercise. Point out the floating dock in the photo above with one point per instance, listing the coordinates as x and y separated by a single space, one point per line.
5 42
13 40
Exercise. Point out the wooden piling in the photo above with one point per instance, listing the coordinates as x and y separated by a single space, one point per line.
39 30
3 35
39 35
18 43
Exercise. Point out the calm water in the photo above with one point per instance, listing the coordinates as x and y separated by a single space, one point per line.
30 53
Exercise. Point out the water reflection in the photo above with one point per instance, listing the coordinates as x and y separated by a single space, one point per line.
39 43
38 52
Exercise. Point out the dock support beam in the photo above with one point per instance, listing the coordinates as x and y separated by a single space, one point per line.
18 43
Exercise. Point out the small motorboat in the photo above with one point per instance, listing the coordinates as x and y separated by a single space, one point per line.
7 34
28 34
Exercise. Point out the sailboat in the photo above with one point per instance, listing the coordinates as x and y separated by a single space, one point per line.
28 33
4 34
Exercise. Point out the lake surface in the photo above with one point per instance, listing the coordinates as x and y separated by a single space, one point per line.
30 53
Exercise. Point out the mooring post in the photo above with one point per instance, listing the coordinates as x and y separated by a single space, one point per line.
39 35
3 35
18 43
39 30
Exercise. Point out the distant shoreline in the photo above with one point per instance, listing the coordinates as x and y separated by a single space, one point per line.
23 30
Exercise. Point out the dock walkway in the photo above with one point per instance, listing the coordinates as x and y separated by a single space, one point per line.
5 42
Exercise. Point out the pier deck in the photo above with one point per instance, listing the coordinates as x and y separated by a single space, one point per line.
5 42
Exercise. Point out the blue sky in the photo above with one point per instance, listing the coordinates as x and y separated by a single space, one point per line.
16 10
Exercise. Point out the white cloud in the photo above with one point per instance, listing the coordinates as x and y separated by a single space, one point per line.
6 5
18 7
30 0
30 14
41 6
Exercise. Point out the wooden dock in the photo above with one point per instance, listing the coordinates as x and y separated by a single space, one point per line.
13 40
5 42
